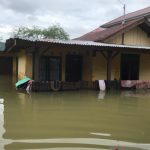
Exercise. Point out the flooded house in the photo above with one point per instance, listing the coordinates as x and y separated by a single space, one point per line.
118 50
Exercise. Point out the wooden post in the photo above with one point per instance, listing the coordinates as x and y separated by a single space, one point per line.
109 67
36 64
109 56
36 67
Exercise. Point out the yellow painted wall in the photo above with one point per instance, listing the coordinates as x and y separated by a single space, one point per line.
100 67
135 36
145 67
21 64
94 68
87 68
24 64
29 65
116 40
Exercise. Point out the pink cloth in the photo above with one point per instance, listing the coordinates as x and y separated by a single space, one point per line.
137 83
128 83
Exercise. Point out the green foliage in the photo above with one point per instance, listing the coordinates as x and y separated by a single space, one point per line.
52 32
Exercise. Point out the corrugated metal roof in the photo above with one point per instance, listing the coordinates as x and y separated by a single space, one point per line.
101 35
130 16
85 43
109 29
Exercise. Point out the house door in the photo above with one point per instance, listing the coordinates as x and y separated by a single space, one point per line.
130 66
73 68
50 69
6 65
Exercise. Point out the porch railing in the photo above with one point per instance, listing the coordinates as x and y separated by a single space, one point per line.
62 86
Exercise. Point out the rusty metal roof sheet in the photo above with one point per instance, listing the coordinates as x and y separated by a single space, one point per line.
101 35
130 16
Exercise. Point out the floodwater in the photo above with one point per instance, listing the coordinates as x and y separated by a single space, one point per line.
73 120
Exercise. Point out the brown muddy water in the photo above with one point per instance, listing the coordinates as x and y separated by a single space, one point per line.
73 120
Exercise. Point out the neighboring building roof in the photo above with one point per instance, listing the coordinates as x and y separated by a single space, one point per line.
116 27
91 36
24 42
134 15
101 35
2 46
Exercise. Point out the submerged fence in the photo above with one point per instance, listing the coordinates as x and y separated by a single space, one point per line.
45 86
62 86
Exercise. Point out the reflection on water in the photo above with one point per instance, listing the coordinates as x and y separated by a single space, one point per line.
101 95
83 120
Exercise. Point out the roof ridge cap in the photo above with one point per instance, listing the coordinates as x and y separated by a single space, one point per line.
109 24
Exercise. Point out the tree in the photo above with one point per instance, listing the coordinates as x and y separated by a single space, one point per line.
55 32
25 32
52 32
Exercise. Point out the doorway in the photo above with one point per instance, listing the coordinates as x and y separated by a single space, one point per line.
50 69
6 65
74 68
130 66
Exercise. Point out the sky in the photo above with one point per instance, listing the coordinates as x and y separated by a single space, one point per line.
77 17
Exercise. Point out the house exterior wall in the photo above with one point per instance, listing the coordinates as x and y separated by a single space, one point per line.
94 67
99 71
25 65
145 67
29 65
87 61
87 68
135 37
99 67
21 64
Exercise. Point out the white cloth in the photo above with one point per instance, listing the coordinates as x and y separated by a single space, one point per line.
102 85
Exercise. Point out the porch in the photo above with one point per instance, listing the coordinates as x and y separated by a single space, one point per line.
56 64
